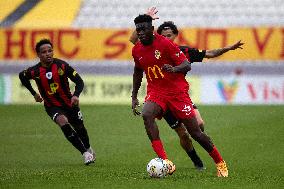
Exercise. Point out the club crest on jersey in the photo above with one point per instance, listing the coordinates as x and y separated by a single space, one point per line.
178 53
157 54
60 71
48 75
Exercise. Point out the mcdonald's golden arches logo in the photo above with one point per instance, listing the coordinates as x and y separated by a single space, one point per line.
154 71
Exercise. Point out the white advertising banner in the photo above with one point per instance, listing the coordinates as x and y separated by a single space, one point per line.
100 89
5 88
264 89
257 89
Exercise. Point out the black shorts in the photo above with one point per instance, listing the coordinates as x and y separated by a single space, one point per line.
172 121
73 114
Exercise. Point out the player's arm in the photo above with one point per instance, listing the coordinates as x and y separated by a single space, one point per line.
25 77
79 84
151 12
193 54
184 67
217 52
180 62
137 79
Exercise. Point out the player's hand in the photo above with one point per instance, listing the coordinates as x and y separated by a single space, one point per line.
237 45
75 101
38 98
152 12
168 68
135 106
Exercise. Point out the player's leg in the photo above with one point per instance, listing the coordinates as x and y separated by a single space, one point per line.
150 111
196 133
58 116
69 133
83 134
200 121
185 140
184 111
187 145
75 117
204 140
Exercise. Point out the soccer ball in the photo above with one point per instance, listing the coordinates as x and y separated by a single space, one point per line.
157 168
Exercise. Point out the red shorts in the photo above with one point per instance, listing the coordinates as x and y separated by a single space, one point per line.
180 104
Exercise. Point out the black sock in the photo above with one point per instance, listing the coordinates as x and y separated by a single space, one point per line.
73 138
195 158
83 134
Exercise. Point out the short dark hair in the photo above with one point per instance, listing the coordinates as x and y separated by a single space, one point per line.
143 18
42 42
168 25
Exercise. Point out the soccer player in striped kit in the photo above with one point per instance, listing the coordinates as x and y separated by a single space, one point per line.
51 77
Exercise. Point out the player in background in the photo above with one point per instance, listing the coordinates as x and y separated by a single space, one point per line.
170 31
51 76
165 67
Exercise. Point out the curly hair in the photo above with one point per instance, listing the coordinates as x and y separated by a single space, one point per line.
42 42
168 25
143 18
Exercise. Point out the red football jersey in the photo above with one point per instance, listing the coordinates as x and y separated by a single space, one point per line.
152 57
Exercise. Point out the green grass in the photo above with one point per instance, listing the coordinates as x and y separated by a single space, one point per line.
34 153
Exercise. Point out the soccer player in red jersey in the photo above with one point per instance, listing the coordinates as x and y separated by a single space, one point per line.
169 30
165 67
51 76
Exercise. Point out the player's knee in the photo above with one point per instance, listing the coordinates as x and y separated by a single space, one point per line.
200 121
196 135
147 115
61 120
185 138
182 132
201 124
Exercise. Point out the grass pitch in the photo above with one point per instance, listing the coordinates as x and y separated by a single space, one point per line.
35 154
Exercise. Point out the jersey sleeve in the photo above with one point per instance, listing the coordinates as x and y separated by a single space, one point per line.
175 53
70 72
135 58
25 76
195 55
29 73
76 78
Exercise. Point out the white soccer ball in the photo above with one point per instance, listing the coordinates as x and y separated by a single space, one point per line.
157 168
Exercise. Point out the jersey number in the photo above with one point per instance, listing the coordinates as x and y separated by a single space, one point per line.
80 115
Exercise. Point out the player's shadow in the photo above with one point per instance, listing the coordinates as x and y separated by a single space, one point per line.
185 172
